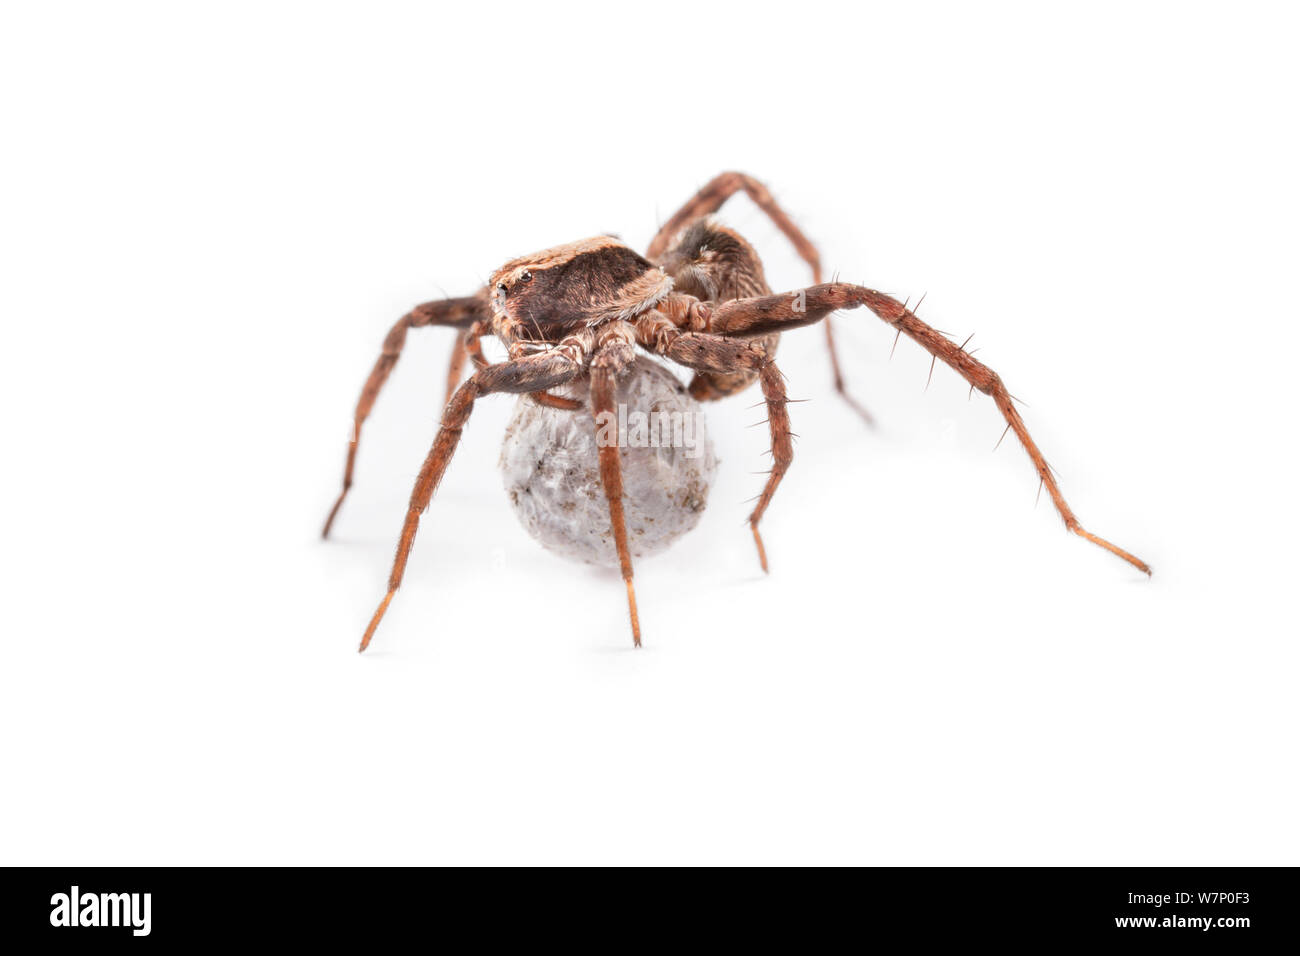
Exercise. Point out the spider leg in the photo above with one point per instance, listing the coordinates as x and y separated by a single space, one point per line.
547 400
614 355
778 421
706 352
473 346
470 347
458 313
758 316
533 373
709 200
840 387
456 366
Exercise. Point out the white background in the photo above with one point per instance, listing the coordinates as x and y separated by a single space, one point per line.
211 217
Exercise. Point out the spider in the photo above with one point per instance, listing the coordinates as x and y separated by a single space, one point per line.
698 297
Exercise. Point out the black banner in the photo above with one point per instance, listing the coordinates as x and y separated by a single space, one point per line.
1228 908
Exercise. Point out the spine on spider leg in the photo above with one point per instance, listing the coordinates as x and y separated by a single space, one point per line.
747 317
982 377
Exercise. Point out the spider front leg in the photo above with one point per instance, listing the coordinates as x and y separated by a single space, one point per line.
473 349
533 373
748 317
614 354
709 200
457 313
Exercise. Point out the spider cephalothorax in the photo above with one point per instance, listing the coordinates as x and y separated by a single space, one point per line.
697 298
583 283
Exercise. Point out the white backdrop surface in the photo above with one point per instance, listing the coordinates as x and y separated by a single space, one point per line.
212 217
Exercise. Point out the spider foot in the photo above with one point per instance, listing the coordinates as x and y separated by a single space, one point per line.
758 541
631 610
858 407
1113 549
374 621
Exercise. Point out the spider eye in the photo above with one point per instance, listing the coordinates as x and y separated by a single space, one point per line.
525 276
501 287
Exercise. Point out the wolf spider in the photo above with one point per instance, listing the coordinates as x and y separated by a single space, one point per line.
699 298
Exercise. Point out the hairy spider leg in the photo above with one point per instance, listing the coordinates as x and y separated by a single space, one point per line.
778 423
474 348
457 313
613 355
709 200
756 316
529 374
456 366
662 332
